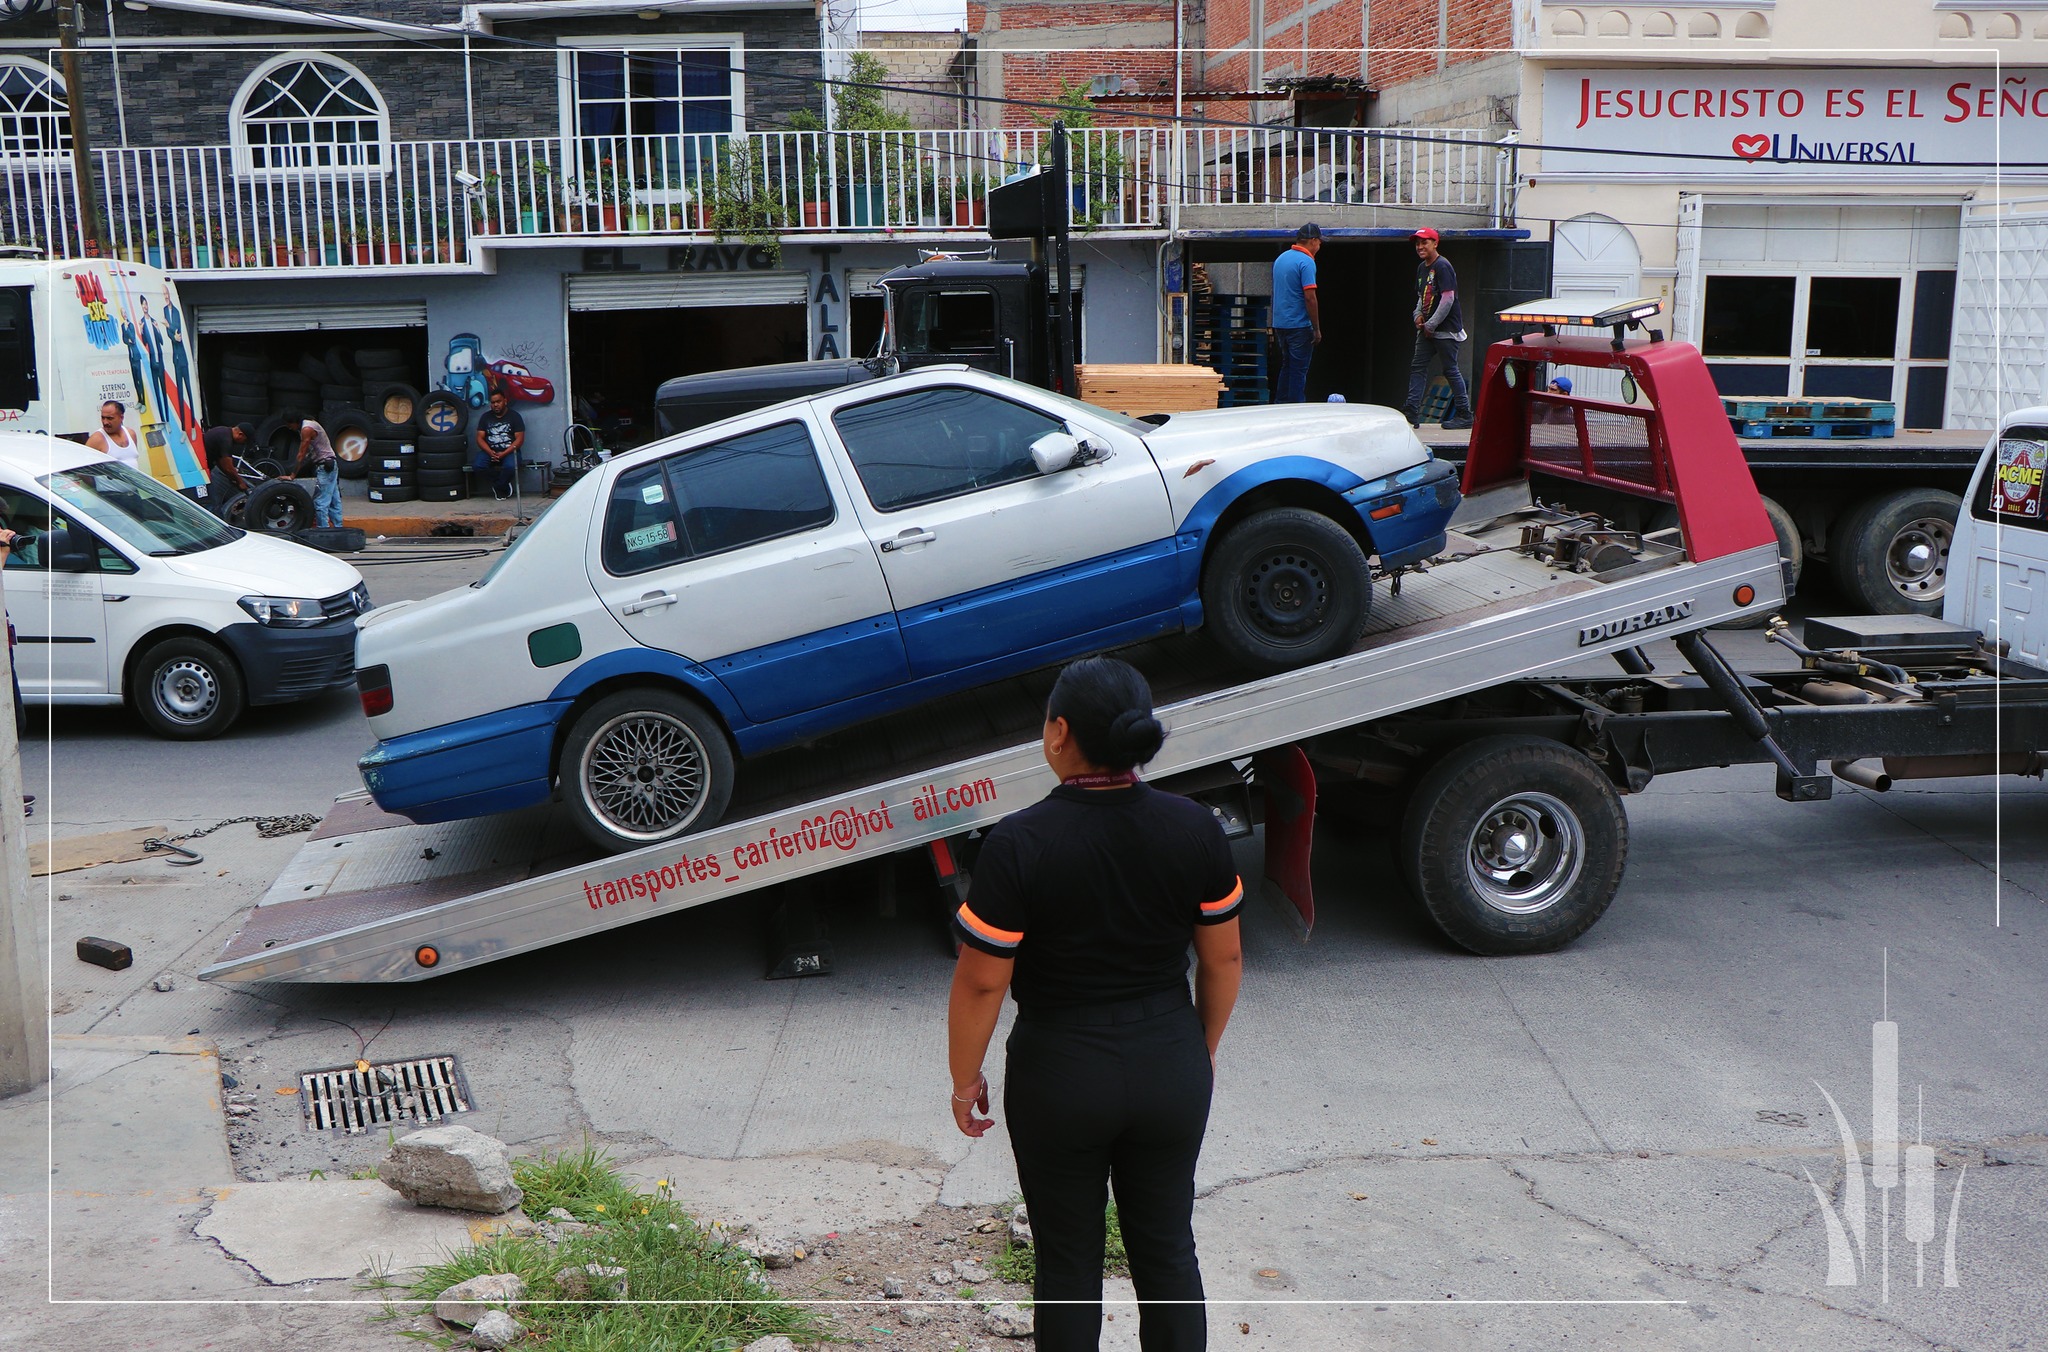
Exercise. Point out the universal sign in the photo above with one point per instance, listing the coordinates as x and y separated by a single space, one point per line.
1634 624
1775 122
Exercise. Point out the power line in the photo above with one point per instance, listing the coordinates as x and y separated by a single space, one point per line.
1396 135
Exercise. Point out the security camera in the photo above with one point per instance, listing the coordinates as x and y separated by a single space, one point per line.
467 179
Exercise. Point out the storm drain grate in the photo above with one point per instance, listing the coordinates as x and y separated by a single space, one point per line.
358 1097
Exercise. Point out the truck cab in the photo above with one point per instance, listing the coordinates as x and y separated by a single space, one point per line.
2002 539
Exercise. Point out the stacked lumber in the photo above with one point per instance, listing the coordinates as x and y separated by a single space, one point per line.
1136 389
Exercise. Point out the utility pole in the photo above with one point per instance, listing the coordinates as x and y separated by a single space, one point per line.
24 1002
84 184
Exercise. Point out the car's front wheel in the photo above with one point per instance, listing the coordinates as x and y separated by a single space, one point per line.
643 766
1286 588
188 689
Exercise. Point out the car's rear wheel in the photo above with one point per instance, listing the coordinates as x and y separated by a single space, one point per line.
188 689
1286 588
643 766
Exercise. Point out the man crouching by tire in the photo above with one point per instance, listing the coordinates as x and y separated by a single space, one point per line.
316 453
224 480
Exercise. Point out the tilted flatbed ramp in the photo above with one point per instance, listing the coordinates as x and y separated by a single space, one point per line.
372 898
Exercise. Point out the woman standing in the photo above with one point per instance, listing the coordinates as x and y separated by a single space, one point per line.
1084 905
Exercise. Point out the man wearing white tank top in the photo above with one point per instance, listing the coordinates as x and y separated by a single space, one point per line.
113 439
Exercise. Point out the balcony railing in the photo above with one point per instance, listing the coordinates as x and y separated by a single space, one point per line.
432 203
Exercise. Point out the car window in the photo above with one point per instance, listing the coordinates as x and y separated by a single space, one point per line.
42 538
949 323
939 443
137 509
740 491
2015 492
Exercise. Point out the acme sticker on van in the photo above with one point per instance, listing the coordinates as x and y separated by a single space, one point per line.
2017 479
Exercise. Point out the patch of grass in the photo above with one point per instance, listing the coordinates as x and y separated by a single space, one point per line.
682 1294
1019 1263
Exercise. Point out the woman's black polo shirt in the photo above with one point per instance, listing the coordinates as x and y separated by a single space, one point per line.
1096 893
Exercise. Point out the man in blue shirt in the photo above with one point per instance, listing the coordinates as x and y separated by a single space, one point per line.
1439 328
1297 324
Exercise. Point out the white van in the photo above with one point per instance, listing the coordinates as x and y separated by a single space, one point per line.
2002 533
121 589
76 333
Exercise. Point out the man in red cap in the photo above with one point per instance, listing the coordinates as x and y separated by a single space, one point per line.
1439 328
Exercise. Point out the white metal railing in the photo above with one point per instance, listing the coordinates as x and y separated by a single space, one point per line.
190 209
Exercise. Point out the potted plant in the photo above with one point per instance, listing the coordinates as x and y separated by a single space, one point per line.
970 201
870 158
740 203
1095 167
812 172
604 189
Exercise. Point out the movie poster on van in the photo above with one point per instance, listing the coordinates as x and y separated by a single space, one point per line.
1770 122
2017 479
140 356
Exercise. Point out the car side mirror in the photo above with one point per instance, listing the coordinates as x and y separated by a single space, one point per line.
1056 451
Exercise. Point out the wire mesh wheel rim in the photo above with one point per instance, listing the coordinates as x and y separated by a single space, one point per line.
673 734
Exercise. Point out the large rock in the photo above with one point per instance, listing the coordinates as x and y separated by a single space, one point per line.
452 1167
465 1303
1020 1226
1008 1321
774 1342
496 1330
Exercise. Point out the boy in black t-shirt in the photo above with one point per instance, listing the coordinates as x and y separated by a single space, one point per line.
1439 328
499 435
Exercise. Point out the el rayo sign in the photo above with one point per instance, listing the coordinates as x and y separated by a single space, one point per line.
1772 122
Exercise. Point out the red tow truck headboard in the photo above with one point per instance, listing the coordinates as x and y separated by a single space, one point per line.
1672 443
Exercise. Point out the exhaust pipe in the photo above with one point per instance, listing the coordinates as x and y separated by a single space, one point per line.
1864 774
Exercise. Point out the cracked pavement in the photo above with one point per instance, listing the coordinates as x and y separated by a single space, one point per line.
1610 1141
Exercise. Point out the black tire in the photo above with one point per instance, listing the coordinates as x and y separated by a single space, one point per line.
441 414
314 369
279 507
437 478
235 510
348 430
396 403
245 410
1514 844
383 445
1285 588
243 364
367 357
394 432
1890 554
267 466
442 460
187 689
441 444
391 478
440 492
245 390
373 381
1790 549
340 370
342 396
618 742
404 494
284 386
277 441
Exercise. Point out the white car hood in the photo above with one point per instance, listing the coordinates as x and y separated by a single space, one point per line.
1369 440
262 565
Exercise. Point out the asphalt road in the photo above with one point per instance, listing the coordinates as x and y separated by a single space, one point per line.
1400 1130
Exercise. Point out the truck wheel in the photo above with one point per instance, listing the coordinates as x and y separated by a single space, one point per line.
1286 588
1790 549
187 689
643 766
1890 553
278 507
1515 844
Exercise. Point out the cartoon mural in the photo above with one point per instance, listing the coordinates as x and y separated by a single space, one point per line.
471 376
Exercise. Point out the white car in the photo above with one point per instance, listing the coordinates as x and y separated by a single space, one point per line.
776 576
121 589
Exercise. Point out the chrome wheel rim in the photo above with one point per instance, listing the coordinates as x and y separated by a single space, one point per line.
644 775
186 690
1916 561
281 515
1525 853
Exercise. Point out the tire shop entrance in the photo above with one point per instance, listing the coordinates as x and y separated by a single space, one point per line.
1365 285
272 365
628 332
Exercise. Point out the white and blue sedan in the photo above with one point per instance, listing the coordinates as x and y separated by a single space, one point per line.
771 578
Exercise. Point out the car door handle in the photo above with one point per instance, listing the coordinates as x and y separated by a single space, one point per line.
112 597
916 535
653 600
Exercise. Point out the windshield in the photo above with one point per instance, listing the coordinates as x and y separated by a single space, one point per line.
138 510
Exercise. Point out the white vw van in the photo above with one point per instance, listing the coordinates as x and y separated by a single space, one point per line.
121 589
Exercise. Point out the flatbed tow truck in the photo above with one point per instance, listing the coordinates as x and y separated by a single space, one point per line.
1513 832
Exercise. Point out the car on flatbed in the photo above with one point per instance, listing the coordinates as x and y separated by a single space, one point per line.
774 577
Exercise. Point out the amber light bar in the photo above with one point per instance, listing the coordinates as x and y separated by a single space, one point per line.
1565 311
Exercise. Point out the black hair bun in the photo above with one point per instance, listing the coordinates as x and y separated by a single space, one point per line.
1137 735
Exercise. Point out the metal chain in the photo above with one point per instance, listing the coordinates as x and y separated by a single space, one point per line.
267 827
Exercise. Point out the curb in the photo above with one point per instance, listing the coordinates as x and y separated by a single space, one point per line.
374 526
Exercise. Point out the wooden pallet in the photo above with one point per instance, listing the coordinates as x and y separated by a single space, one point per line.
1821 428
1751 410
1136 389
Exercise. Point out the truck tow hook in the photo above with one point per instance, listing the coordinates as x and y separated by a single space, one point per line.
152 845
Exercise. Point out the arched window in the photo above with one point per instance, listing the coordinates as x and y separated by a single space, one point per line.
34 119
309 113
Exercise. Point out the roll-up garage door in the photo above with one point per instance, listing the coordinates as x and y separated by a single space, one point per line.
400 314
684 290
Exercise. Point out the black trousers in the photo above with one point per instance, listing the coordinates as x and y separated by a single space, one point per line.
1093 1104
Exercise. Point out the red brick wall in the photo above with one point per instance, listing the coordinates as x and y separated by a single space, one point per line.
1037 75
1482 27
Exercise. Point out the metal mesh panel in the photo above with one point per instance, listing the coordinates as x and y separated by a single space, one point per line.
1619 443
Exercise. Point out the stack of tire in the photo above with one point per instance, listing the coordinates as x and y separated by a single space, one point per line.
443 446
244 386
415 445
